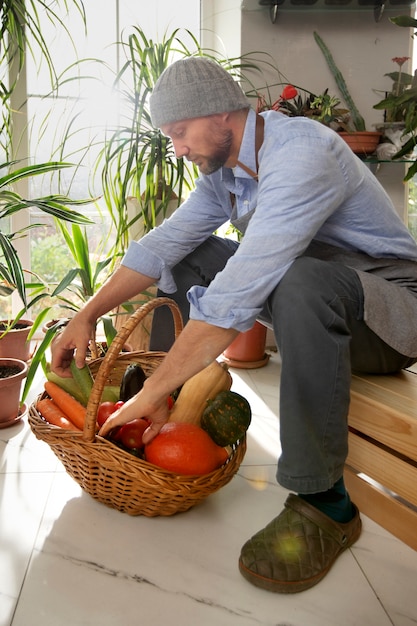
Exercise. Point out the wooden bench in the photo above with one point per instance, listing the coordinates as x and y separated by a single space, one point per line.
381 468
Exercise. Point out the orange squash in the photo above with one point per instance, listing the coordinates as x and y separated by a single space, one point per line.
197 390
185 449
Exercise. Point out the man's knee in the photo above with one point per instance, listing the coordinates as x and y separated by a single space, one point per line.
315 287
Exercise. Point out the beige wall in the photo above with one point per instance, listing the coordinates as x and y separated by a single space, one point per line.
361 47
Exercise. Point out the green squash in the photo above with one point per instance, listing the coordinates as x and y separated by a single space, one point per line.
226 418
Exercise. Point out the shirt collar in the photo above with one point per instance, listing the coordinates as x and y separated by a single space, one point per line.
247 152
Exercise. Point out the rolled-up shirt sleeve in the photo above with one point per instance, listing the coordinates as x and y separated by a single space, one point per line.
207 208
142 259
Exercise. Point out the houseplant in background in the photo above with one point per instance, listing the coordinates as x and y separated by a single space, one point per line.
247 350
12 274
399 106
12 373
143 181
89 270
297 102
361 141
406 103
21 32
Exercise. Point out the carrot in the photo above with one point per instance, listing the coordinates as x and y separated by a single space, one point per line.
53 414
73 409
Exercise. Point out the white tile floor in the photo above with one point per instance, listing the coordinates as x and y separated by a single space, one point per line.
66 560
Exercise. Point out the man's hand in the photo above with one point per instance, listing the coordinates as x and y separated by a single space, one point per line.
71 343
136 407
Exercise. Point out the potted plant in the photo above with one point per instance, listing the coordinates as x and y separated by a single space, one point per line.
402 102
12 373
247 350
361 141
400 107
89 271
142 179
298 102
12 274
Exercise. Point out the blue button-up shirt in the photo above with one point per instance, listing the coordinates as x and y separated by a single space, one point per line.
310 187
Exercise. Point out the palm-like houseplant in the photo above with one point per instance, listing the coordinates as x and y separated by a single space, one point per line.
137 160
88 272
142 179
21 32
12 273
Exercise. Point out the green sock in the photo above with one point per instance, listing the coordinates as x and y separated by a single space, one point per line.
334 503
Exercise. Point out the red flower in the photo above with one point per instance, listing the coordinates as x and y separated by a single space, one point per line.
400 60
289 92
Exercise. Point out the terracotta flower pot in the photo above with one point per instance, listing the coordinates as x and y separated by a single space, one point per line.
247 351
12 373
14 344
362 143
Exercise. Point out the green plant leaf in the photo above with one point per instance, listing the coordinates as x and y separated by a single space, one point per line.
404 20
357 119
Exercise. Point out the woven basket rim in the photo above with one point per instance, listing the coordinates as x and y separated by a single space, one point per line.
100 466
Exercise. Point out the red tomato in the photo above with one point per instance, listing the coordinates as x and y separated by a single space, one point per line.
170 402
130 434
105 409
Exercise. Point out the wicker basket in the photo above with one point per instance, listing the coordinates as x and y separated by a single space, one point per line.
108 473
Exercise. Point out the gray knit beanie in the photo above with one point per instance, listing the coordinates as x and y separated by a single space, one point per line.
194 87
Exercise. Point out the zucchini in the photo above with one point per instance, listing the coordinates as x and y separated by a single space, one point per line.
67 384
83 378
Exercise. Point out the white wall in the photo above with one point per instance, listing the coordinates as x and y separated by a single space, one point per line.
362 48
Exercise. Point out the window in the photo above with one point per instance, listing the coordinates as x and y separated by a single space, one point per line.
69 124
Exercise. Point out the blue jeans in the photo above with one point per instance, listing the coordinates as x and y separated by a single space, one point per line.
316 313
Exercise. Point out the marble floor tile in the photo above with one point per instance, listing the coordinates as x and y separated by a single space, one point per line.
67 560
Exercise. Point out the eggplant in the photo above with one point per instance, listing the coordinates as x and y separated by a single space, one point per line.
132 381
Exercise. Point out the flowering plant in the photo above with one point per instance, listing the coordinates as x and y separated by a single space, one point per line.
399 104
296 102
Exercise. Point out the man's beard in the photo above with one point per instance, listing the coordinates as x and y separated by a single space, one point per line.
217 160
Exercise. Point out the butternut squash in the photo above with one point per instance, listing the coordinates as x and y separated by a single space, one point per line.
197 390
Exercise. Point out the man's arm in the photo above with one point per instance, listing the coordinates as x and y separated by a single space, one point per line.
197 346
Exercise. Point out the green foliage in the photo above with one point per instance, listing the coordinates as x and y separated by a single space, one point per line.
404 103
49 258
87 273
137 160
11 270
404 20
357 119
19 25
323 108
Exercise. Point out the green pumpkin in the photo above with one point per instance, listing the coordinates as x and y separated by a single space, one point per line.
226 418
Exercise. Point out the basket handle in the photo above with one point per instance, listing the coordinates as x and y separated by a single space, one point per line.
114 351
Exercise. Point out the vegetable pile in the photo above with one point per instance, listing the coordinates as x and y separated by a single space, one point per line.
205 417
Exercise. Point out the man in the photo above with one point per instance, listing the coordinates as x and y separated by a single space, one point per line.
325 260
